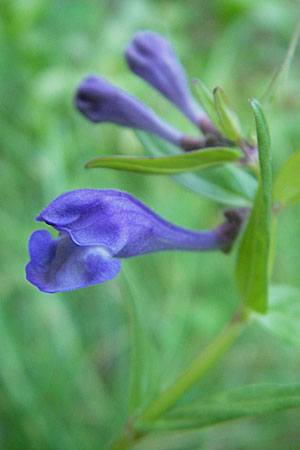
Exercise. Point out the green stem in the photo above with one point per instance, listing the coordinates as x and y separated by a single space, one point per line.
127 438
122 443
194 372
199 367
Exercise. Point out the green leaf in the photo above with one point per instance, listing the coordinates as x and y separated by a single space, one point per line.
253 257
226 184
272 248
283 318
264 151
228 118
287 184
247 401
206 100
184 162
211 190
252 262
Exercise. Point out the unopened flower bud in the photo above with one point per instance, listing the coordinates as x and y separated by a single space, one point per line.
100 101
152 57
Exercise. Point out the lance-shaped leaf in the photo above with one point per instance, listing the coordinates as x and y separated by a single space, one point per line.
246 401
287 184
226 184
252 263
227 116
185 162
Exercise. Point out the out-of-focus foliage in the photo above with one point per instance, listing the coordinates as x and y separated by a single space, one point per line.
287 186
64 358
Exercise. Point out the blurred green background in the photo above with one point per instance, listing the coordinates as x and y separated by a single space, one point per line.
64 358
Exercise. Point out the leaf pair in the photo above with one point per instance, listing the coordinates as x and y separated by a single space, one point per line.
226 184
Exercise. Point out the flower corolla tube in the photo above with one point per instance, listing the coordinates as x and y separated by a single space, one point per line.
97 228
151 57
100 101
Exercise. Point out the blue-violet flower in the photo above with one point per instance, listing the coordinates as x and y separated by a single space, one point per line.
152 57
100 101
97 227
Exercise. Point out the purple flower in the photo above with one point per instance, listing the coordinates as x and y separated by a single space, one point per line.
100 101
152 57
97 227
